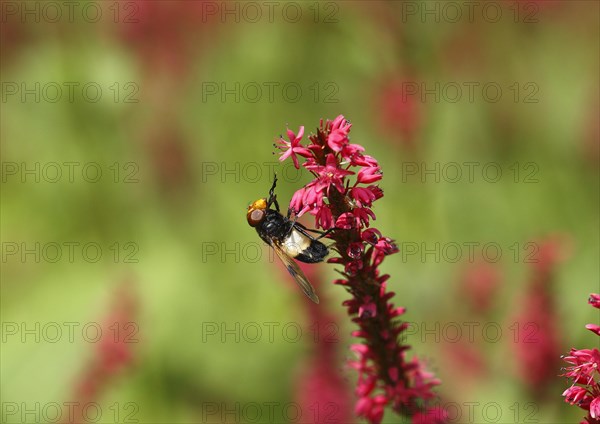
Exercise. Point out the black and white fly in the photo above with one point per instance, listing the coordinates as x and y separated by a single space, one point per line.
290 240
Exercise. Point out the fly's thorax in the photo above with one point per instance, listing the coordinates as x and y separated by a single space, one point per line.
274 225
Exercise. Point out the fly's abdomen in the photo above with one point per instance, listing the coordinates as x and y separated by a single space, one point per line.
295 243
315 252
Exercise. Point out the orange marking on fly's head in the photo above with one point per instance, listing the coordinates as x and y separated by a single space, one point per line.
256 212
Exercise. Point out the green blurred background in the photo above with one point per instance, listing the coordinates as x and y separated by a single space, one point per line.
181 157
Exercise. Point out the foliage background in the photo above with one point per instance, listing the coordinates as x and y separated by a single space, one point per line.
176 135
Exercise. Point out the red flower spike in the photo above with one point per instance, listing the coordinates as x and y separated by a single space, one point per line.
386 377
538 356
113 354
584 375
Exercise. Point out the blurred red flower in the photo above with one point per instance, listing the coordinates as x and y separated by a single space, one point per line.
400 109
322 389
479 286
538 351
113 352
167 34
169 156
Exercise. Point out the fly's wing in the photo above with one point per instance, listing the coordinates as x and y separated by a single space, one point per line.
296 272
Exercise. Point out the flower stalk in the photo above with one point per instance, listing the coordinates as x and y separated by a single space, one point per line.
386 377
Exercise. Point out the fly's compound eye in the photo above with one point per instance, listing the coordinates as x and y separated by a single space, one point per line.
255 216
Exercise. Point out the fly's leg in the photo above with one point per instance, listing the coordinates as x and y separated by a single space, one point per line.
272 195
292 222
324 233
304 231
321 233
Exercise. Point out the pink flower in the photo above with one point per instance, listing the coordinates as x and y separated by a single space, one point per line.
353 267
293 146
324 218
362 215
306 199
297 203
594 328
329 175
386 377
369 175
355 250
371 235
595 408
364 160
368 310
576 395
338 133
312 199
586 363
351 151
594 300
362 196
386 245
345 221
377 191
